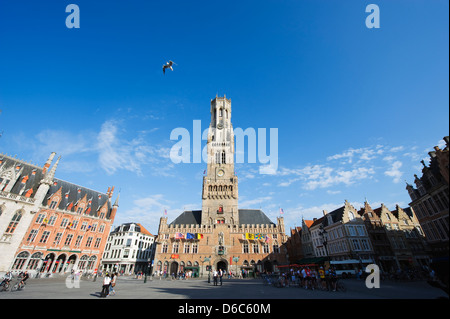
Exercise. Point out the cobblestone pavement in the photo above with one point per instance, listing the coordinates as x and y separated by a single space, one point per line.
131 288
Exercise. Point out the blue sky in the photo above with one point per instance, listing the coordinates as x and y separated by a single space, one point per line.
356 108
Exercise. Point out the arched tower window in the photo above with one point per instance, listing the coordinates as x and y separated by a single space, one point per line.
223 157
218 158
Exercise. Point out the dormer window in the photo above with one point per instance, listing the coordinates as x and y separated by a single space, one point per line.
53 204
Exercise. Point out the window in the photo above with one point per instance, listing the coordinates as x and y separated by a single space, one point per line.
32 235
64 222
164 248
255 248
194 248
68 240
40 218
356 244
365 244
97 242
223 157
351 216
89 241
44 237
14 222
57 238
175 248
186 248
53 204
83 226
78 241
245 248
52 220
266 249
276 249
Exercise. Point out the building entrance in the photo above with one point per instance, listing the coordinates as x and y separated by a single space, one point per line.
222 265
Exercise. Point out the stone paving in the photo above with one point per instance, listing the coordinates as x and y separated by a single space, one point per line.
131 288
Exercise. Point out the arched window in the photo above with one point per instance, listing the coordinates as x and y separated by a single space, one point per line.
34 261
20 260
220 112
223 157
14 222
218 158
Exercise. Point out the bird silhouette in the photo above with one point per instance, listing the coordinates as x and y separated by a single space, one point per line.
168 65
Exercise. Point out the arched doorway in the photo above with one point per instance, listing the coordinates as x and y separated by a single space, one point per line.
174 268
48 262
268 266
222 265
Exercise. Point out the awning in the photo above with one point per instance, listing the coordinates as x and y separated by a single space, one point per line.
311 261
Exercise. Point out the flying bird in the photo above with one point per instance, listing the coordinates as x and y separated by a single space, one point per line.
168 65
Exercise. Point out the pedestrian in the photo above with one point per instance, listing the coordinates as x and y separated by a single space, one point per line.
322 278
333 278
215 275
220 276
105 287
113 284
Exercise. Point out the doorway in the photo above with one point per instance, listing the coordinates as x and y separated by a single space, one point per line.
222 265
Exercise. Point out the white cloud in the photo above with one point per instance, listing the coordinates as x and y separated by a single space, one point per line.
394 171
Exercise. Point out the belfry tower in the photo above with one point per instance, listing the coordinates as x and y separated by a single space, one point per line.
220 185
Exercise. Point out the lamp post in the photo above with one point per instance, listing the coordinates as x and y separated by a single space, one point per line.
209 271
324 235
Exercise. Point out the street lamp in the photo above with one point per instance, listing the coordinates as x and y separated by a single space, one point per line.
324 235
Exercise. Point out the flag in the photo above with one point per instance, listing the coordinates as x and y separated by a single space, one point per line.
249 236
258 236
179 236
281 211
89 227
267 238
45 221
165 211
199 236
190 236
204 172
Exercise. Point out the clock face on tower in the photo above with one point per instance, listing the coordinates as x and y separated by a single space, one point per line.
220 172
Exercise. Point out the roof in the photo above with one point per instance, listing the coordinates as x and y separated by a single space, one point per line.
308 223
335 214
246 216
191 217
28 178
127 226
72 193
253 216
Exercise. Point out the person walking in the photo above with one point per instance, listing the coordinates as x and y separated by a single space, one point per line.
105 287
220 276
215 275
112 291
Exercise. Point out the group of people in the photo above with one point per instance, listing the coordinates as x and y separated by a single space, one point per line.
23 276
109 282
217 276
311 278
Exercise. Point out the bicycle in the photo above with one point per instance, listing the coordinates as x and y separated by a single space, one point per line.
18 286
340 286
5 285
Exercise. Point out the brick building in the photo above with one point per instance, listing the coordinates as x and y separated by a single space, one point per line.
49 225
221 235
